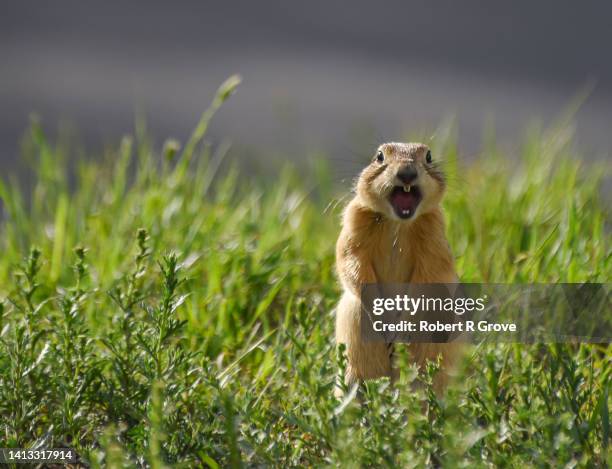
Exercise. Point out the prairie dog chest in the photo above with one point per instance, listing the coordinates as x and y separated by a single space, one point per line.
392 258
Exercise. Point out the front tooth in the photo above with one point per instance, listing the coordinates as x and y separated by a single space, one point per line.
406 187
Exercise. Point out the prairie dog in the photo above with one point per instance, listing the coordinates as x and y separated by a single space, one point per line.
392 232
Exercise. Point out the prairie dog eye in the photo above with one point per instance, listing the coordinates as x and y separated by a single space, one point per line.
428 156
380 157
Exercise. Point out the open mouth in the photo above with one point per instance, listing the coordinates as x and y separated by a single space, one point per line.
405 200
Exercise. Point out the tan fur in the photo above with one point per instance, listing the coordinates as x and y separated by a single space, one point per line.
376 246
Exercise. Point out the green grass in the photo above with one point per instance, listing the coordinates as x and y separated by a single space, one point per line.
157 311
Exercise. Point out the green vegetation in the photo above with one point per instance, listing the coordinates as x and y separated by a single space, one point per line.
156 311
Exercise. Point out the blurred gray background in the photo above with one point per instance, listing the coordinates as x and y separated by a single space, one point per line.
327 75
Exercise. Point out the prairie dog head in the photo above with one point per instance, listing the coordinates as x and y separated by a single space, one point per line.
402 181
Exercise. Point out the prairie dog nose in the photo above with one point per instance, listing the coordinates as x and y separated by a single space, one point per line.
407 174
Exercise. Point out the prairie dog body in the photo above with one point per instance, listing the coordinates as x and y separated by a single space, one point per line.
392 232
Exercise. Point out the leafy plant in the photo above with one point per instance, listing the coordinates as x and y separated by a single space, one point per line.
192 325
